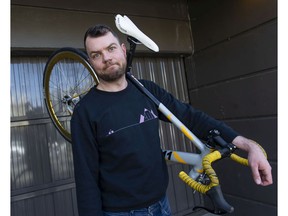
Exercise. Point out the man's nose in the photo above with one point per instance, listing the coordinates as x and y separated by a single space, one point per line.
106 56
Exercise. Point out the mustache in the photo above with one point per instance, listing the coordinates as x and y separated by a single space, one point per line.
109 63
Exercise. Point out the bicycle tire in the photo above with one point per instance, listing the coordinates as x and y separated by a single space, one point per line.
67 77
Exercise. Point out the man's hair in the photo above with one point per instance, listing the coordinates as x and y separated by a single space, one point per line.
98 31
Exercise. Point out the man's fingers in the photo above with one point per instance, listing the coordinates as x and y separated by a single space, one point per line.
262 177
266 177
256 175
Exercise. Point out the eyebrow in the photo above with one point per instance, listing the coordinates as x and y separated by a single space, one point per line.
98 51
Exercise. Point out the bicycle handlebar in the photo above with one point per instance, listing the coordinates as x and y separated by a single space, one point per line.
213 189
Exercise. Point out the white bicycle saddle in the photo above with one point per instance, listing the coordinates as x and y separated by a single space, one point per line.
126 26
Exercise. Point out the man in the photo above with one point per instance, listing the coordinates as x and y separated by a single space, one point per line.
119 167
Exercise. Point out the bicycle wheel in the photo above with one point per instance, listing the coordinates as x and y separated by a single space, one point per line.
68 76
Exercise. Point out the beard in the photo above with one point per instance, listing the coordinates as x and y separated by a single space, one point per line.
111 76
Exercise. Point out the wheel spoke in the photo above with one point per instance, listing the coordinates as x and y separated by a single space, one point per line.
67 77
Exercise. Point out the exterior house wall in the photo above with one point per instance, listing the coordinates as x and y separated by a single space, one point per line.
234 79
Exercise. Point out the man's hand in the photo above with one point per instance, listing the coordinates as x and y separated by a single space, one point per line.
261 169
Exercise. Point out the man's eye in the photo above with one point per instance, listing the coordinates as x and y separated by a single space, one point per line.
110 49
95 56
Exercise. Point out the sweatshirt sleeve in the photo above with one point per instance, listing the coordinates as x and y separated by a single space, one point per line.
86 166
197 121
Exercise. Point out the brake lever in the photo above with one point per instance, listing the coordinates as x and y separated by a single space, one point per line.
221 206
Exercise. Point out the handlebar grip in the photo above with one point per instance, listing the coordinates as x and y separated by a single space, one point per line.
239 159
213 190
244 161
217 198
194 184
207 161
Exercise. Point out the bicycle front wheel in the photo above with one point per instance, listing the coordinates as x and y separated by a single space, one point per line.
68 76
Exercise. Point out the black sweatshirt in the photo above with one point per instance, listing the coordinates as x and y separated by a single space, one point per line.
118 162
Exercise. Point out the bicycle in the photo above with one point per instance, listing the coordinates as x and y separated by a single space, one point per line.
64 89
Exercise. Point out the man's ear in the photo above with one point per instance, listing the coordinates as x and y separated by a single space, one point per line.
123 48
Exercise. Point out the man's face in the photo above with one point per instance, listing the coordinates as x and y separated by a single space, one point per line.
107 56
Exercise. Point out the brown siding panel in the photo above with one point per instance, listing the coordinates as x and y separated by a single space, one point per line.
242 97
214 21
247 53
233 77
